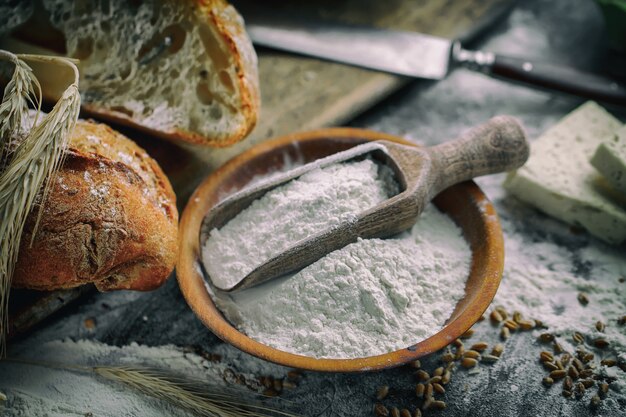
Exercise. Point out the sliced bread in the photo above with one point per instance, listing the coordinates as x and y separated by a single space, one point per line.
182 70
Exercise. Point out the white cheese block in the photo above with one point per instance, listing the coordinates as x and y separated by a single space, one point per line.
559 180
610 159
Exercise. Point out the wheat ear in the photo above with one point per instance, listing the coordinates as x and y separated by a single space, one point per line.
35 160
23 89
189 394
184 393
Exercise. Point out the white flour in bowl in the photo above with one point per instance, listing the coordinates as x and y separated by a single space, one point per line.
315 201
368 298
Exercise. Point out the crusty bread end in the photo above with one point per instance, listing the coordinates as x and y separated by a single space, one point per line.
181 70
110 219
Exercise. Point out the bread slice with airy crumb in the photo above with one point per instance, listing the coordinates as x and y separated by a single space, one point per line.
182 70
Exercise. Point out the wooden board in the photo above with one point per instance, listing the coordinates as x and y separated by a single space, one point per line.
29 308
298 93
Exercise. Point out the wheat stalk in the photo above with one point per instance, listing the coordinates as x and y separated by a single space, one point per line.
184 393
35 160
189 394
22 89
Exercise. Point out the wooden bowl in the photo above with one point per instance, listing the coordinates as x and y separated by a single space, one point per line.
464 203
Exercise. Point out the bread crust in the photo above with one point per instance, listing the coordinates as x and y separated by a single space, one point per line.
226 23
110 219
230 26
221 15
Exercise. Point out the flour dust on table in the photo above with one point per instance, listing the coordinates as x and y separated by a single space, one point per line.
371 297
53 379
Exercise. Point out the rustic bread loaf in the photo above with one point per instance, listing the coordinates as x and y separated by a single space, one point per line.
183 70
110 219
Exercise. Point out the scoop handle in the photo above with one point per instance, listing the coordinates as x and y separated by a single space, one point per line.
496 146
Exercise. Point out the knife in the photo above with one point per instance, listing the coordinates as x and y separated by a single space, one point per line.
424 56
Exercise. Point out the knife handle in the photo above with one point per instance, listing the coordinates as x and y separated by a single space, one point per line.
544 75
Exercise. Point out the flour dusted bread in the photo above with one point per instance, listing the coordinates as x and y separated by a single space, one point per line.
110 219
182 70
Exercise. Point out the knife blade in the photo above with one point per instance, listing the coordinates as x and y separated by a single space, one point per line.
402 53
418 55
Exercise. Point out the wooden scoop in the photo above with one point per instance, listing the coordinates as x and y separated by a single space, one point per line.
496 146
